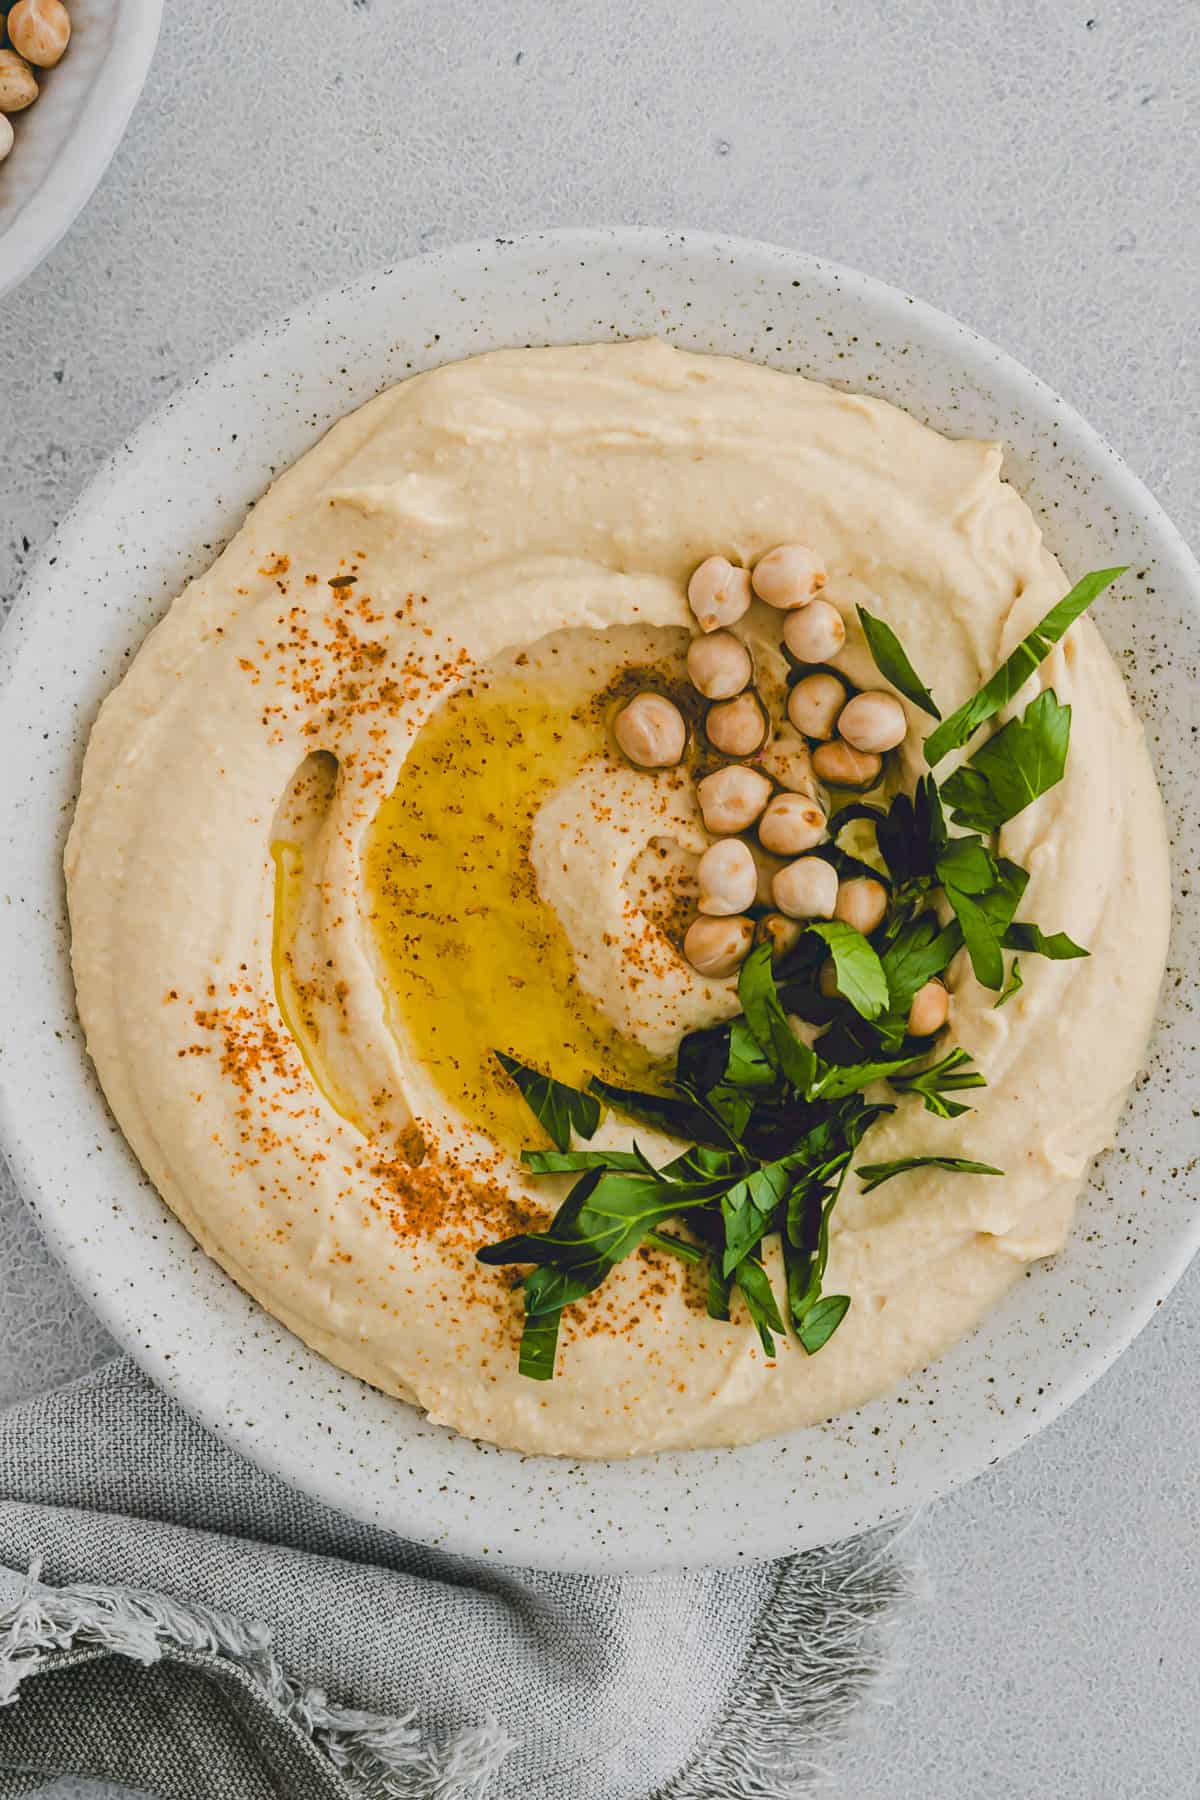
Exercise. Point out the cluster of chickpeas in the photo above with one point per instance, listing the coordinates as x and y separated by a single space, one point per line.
847 736
34 34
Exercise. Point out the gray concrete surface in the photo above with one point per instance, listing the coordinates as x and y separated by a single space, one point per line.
1031 167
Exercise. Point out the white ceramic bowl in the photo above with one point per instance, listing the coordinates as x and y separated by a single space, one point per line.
66 139
158 513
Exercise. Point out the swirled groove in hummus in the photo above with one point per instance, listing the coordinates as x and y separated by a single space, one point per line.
458 521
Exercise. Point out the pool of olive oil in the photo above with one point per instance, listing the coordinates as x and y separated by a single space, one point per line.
474 958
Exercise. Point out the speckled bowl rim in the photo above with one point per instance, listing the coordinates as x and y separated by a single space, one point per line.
52 206
220 1355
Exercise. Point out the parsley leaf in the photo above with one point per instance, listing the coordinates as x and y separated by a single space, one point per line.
768 1021
749 1207
860 976
756 1291
1035 942
719 1286
924 820
557 1108
728 1073
675 1246
564 1162
934 1083
745 1065
893 664
822 1320
819 1159
911 832
967 864
1021 762
1016 670
745 1227
539 1345
603 1220
678 1115
873 1175
546 1293
984 892
924 948
1014 984
839 1080
811 1204
722 1054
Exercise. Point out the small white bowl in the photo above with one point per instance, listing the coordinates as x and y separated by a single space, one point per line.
157 515
66 139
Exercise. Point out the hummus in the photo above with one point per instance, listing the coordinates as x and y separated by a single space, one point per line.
353 817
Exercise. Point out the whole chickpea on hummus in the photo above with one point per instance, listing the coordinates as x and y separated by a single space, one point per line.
519 717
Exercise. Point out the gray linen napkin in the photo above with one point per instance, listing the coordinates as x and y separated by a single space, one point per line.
195 1628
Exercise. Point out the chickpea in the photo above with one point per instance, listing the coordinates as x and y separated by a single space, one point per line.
651 732
39 30
718 946
791 823
787 759
719 666
929 1011
737 727
788 576
719 593
806 889
814 704
861 902
18 85
6 136
728 878
731 799
783 934
815 633
873 722
838 765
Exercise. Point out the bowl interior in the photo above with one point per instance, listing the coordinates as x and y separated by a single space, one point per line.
158 514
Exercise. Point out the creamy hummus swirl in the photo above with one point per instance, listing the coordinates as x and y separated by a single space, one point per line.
457 518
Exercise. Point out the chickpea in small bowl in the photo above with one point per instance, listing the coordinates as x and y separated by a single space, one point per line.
66 96
34 36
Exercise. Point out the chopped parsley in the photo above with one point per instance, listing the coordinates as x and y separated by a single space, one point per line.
772 1122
